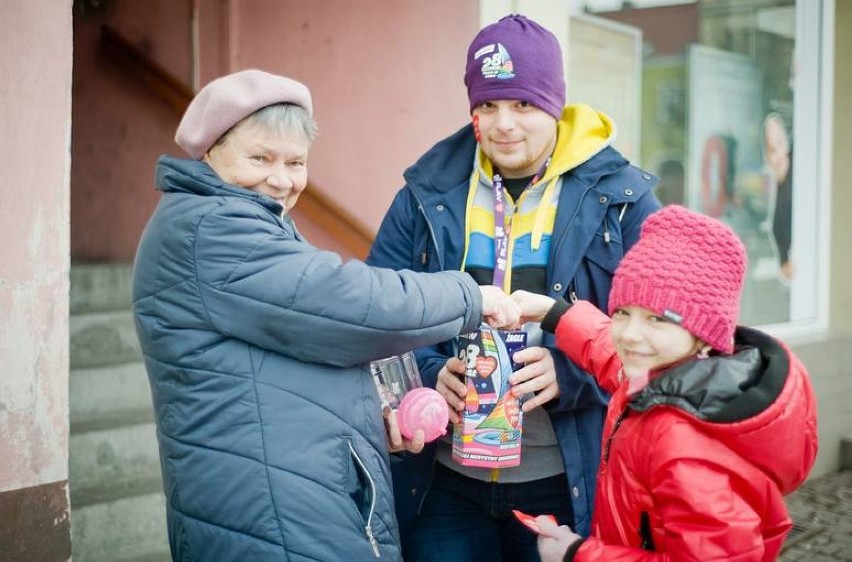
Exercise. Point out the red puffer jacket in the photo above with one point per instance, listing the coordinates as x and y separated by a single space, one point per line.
696 462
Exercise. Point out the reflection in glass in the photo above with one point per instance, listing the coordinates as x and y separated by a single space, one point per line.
716 123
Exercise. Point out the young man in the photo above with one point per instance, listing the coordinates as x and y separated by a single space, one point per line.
569 206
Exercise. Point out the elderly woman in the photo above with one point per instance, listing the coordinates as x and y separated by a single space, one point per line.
272 441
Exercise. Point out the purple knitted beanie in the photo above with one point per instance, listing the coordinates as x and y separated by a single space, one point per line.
688 268
226 101
516 59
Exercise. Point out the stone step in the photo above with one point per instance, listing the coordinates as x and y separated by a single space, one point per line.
111 420
113 463
103 338
98 392
151 557
117 502
127 529
100 287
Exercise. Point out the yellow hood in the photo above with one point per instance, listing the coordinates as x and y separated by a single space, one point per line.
581 133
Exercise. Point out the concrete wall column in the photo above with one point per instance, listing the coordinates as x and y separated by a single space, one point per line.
35 113
841 194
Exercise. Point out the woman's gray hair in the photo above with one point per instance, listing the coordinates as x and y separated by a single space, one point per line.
282 118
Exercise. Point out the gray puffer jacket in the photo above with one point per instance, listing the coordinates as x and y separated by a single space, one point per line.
256 343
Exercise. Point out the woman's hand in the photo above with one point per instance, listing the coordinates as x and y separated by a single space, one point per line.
554 540
533 307
498 309
396 442
538 376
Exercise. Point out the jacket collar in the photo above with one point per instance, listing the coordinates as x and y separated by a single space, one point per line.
583 134
722 389
182 175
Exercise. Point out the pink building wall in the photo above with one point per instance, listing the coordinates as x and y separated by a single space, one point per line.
35 103
386 77
119 128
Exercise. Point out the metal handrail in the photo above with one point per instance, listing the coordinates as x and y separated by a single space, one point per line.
342 226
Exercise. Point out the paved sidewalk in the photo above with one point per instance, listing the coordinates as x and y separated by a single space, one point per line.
822 517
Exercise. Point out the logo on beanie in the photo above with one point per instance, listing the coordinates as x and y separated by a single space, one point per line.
672 316
497 64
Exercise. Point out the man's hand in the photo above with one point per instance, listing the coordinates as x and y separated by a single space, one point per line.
533 306
538 375
451 387
396 442
498 309
554 540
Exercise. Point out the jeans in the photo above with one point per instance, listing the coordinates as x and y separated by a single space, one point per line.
467 520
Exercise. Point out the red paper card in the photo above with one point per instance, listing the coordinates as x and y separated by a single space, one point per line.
529 520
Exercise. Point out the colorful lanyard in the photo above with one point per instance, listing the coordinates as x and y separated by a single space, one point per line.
501 230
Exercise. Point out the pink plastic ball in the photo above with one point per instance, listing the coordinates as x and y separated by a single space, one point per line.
423 408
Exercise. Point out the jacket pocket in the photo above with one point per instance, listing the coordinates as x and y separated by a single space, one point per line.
645 534
423 248
593 279
604 254
361 488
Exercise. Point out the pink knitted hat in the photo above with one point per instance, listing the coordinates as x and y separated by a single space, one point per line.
688 268
226 101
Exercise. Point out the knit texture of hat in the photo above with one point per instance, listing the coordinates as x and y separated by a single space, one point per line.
516 59
226 101
688 268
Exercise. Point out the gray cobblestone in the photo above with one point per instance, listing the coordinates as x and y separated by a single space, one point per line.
822 514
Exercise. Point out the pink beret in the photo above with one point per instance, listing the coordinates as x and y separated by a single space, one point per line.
226 101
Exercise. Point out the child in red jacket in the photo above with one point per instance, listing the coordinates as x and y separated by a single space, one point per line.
709 425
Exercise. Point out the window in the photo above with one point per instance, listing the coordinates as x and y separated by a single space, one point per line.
730 119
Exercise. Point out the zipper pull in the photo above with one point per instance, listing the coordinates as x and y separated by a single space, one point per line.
607 237
572 296
424 257
373 542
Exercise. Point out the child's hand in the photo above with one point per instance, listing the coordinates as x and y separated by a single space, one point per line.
498 310
533 306
553 539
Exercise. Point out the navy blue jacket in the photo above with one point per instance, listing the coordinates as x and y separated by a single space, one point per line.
424 230
271 438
